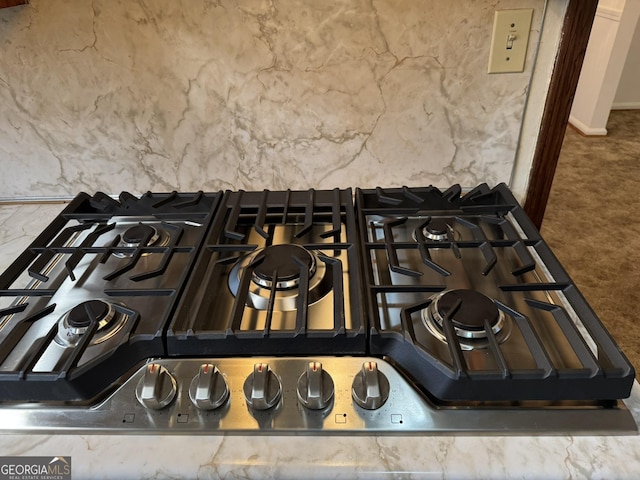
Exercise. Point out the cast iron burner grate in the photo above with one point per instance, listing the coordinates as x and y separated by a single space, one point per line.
307 240
89 299
427 252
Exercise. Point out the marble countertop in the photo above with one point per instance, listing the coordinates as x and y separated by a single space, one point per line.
216 456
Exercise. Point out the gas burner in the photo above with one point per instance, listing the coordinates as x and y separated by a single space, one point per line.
75 323
282 261
438 230
468 310
134 236
81 316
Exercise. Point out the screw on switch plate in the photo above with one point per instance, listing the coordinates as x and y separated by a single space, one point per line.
509 40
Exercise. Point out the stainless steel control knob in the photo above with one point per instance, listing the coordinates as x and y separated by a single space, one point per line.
370 388
262 389
157 388
315 387
208 389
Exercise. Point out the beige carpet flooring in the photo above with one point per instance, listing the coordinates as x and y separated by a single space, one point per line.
592 223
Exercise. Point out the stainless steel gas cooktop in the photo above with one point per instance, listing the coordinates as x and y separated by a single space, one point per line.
386 311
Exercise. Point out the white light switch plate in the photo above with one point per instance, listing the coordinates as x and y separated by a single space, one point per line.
509 40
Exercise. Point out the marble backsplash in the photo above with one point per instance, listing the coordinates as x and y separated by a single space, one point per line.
192 95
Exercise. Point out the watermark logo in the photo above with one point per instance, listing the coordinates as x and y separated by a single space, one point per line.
35 468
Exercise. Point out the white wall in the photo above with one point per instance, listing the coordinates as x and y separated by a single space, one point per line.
628 93
609 43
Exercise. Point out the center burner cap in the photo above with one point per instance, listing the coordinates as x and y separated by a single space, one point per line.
467 310
82 315
284 260
436 230
135 235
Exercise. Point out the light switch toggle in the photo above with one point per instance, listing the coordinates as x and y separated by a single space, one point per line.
510 39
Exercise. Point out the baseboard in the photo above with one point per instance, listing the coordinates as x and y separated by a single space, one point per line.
626 106
586 129
614 14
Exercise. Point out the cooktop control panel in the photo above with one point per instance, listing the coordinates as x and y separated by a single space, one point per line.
267 395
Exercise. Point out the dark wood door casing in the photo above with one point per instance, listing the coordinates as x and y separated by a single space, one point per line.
564 80
12 3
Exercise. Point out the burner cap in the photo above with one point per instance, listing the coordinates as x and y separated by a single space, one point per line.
280 259
436 230
437 227
474 309
75 323
136 234
83 314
